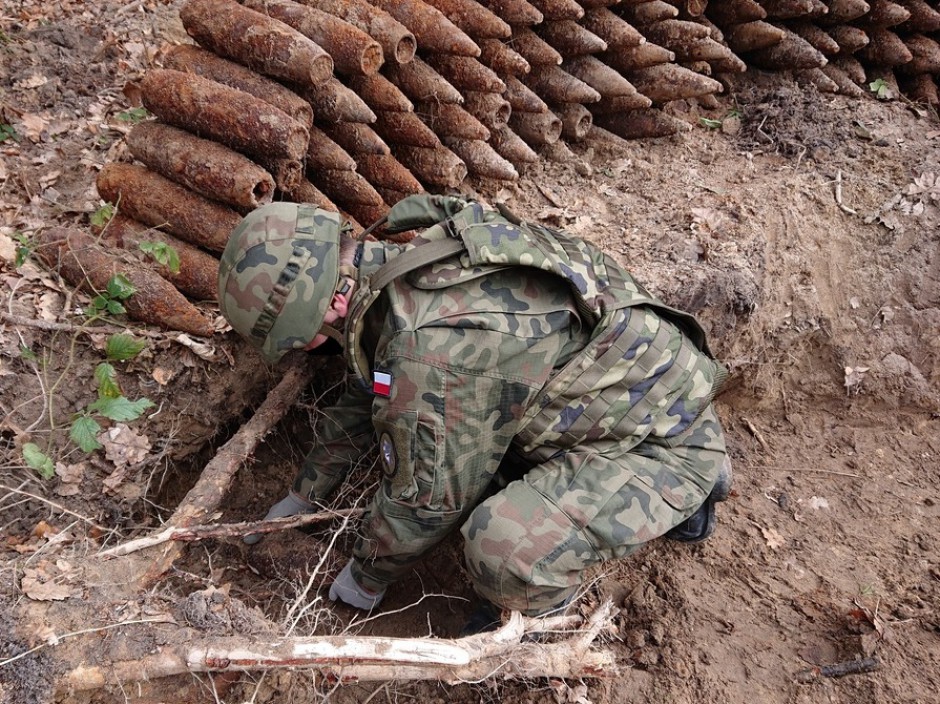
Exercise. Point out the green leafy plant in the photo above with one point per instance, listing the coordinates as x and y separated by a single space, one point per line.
7 132
38 460
881 89
102 216
23 249
714 124
163 253
119 289
111 402
133 116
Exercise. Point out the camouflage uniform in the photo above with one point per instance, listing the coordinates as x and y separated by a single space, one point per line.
530 343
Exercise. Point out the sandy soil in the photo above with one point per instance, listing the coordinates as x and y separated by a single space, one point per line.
804 233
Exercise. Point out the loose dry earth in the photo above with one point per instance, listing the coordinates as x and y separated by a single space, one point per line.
804 234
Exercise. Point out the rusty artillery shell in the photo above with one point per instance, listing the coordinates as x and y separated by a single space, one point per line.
922 89
198 274
434 32
885 48
884 13
818 38
206 167
926 53
751 36
575 119
732 12
533 48
559 9
708 50
702 67
569 38
667 82
334 102
923 19
397 42
158 202
671 33
556 85
473 18
518 13
466 73
852 68
647 13
841 79
324 153
391 196
348 189
386 171
405 128
842 11
193 59
482 160
632 58
641 124
596 4
419 82
558 152
356 138
491 109
816 77
849 39
449 120
82 262
306 192
599 76
223 114
512 148
521 98
257 41
380 93
620 103
503 60
287 173
791 52
612 28
438 167
787 9
536 128
353 51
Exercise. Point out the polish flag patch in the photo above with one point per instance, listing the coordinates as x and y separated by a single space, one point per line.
381 384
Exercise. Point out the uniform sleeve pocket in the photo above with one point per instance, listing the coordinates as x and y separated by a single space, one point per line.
408 454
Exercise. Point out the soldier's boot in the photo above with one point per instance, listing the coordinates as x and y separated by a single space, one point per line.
701 524
485 617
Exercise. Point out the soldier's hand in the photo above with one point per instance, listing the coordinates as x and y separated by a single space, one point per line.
291 505
346 589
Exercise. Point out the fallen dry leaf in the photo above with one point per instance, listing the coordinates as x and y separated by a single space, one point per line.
123 446
33 125
773 538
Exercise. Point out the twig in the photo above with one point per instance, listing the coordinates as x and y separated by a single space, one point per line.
70 327
815 469
58 507
756 433
227 530
840 669
844 207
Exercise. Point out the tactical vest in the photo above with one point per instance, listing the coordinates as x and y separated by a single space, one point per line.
581 401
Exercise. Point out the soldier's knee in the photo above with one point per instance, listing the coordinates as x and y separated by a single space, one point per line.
522 552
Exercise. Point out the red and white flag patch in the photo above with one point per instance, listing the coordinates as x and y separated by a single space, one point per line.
381 384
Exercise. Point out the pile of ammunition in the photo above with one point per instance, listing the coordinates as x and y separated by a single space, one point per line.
355 104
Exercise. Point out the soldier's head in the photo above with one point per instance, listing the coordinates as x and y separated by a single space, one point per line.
278 277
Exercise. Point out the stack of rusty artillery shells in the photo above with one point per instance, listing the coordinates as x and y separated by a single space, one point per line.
356 104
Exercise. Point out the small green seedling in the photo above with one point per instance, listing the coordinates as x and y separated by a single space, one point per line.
164 254
133 116
23 249
38 460
881 89
8 132
119 289
111 403
102 216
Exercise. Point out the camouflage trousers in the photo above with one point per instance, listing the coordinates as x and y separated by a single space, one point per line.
528 545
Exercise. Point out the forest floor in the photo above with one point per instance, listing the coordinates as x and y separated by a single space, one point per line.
803 231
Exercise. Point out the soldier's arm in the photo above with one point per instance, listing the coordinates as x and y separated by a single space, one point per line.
343 435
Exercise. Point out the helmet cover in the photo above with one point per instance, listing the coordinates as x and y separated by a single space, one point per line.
278 274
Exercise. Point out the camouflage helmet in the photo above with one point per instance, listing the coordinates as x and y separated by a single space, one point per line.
278 274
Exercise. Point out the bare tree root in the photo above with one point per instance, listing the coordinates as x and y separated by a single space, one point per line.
509 652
